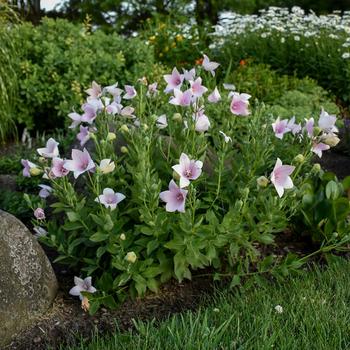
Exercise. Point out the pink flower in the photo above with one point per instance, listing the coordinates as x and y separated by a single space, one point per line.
80 163
113 90
90 112
294 128
197 88
209 66
95 90
112 108
280 177
280 127
130 92
162 122
309 126
82 286
45 191
202 122
76 119
327 122
174 80
189 75
239 104
58 169
215 96
152 89
51 149
83 136
318 148
188 169
109 198
175 198
27 166
39 214
181 98
127 112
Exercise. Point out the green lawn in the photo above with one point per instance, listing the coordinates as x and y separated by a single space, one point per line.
316 315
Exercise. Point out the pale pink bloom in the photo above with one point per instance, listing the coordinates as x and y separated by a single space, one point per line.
280 127
90 112
197 88
202 122
209 66
162 122
95 91
27 166
76 119
318 148
130 92
39 213
174 80
152 90
82 286
114 90
226 138
188 169
80 162
293 127
96 103
45 191
229 86
113 108
58 169
215 96
109 198
83 136
189 75
51 149
127 112
181 98
327 122
239 104
280 177
309 126
175 198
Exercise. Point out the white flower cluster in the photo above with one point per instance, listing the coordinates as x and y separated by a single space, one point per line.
282 22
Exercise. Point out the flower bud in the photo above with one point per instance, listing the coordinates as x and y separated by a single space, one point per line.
131 257
122 237
177 117
35 171
317 130
111 136
42 160
262 181
124 149
124 128
316 168
299 158
331 140
145 127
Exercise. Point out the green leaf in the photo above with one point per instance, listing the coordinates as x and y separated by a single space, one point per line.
94 306
332 190
105 283
152 246
99 237
108 226
71 226
73 216
110 302
236 280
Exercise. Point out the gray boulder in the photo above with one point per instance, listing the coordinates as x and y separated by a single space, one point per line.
28 284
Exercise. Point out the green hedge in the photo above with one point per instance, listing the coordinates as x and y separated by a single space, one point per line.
58 62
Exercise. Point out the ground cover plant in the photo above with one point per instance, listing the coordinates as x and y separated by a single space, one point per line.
290 41
176 180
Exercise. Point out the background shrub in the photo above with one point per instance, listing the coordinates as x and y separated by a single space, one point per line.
60 59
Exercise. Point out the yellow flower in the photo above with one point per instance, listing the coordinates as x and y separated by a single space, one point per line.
179 37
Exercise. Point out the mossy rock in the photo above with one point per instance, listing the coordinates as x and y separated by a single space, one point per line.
28 284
